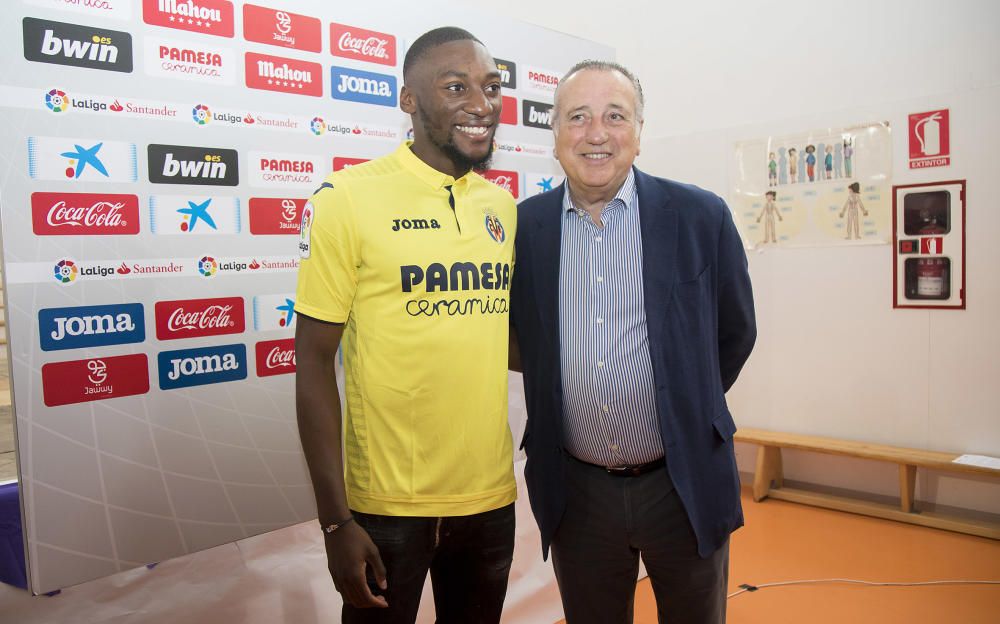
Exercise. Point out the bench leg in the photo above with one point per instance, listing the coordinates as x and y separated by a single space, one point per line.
907 487
768 471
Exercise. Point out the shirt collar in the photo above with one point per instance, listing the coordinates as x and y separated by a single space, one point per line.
625 195
422 170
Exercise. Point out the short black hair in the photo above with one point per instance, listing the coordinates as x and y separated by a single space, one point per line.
432 39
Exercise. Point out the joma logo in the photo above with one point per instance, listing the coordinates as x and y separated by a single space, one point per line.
415 224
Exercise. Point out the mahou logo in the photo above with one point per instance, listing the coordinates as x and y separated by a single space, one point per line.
65 214
275 357
275 215
78 46
281 28
285 75
190 318
362 45
79 381
211 17
507 180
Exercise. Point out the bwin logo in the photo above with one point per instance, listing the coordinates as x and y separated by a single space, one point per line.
79 46
536 114
90 326
181 164
206 365
361 86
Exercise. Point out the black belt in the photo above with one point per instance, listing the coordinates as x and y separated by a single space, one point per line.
626 471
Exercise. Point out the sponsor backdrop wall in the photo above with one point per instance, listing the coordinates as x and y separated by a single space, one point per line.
156 158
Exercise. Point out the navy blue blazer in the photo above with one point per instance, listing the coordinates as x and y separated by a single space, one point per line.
699 310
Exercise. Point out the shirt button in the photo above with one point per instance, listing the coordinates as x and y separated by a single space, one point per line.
600 365
598 239
599 320
605 408
613 447
600 279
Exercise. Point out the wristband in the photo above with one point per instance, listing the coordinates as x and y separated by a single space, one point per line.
330 528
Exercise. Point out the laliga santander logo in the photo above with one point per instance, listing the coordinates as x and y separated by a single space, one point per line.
207 266
317 125
65 271
201 114
495 228
56 100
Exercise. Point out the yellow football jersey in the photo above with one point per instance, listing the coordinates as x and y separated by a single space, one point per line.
417 265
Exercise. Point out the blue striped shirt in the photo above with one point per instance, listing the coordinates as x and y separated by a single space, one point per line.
609 402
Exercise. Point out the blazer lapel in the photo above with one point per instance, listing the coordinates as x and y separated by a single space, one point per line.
658 224
545 249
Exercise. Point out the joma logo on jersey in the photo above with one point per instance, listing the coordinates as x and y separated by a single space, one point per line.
181 164
459 276
360 86
205 365
77 46
91 326
415 224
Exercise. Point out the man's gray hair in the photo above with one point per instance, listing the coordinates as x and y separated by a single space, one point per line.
605 66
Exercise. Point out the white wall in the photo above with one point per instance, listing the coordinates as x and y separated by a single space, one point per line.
833 357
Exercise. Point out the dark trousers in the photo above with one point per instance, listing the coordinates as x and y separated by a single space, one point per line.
611 521
468 557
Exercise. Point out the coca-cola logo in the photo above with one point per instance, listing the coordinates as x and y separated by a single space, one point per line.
199 317
215 316
507 180
359 43
372 47
275 357
84 213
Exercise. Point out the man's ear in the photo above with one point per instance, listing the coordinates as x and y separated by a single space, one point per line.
407 100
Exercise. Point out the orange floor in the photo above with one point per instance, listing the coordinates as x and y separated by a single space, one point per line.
786 541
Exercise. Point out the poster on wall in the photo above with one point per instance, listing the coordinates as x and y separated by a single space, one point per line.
818 188
158 157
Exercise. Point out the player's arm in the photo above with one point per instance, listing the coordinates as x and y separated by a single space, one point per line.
349 549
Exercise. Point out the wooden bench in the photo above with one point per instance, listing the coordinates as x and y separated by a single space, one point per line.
768 479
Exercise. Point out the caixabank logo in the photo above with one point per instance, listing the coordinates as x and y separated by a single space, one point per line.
281 28
284 75
91 326
273 312
86 214
86 160
211 17
275 357
198 367
361 44
184 164
182 215
536 114
355 85
97 379
191 318
78 46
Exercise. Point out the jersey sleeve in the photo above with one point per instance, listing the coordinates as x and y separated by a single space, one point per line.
330 255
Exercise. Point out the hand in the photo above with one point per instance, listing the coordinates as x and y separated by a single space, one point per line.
349 550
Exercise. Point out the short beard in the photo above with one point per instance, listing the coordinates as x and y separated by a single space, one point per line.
460 160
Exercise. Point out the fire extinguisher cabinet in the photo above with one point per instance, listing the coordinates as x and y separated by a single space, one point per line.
928 236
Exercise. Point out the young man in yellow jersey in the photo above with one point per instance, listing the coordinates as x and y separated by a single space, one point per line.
406 265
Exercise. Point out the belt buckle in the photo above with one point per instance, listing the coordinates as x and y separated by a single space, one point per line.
620 471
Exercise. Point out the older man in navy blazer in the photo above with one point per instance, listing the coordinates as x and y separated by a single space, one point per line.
633 311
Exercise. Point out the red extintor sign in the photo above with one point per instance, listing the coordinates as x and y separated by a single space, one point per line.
930 139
